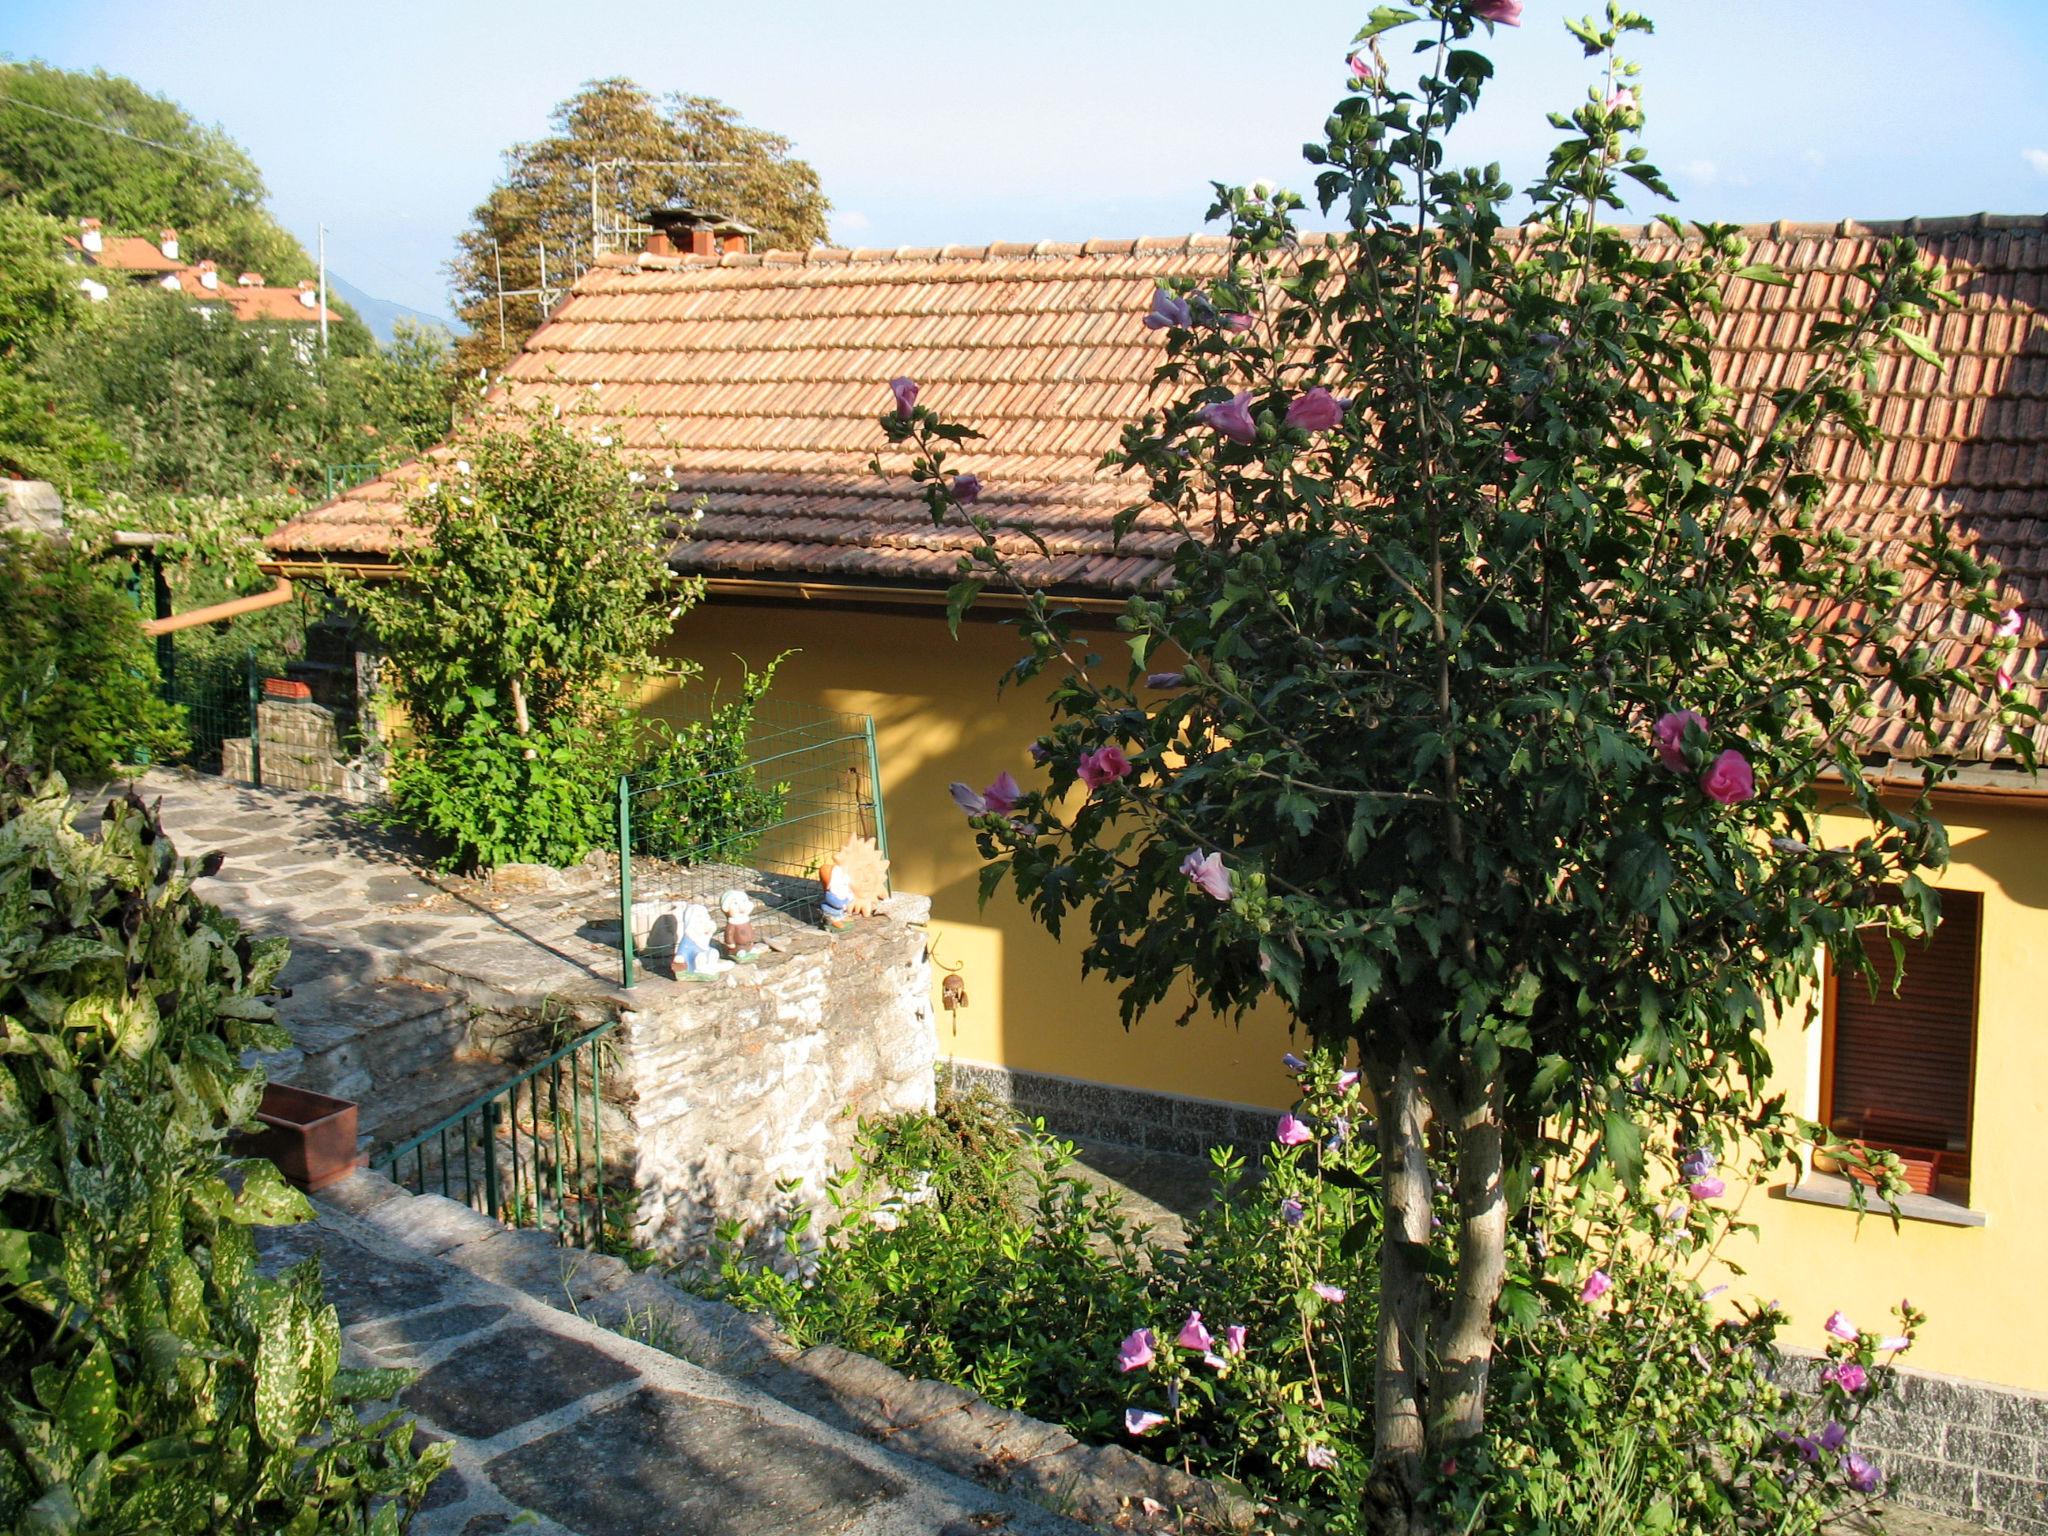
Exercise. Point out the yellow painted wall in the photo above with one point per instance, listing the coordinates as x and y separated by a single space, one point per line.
1980 1286
938 718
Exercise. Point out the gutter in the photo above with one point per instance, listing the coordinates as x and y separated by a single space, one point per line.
281 593
742 588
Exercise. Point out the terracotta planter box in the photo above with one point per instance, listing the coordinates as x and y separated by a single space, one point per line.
311 1137
1922 1165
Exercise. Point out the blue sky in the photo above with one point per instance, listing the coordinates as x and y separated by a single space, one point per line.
935 122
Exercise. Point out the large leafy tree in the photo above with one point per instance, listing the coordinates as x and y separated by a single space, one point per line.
639 150
1506 670
201 406
42 437
86 144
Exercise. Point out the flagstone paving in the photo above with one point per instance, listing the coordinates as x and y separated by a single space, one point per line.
562 1427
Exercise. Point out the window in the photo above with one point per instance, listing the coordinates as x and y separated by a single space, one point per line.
1896 1068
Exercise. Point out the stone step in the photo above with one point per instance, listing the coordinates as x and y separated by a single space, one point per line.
562 1427
945 1426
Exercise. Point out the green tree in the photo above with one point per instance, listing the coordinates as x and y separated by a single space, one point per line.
78 688
40 438
199 405
642 151
86 144
1507 668
528 604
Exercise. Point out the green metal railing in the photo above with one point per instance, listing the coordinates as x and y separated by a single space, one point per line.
529 1153
810 779
343 477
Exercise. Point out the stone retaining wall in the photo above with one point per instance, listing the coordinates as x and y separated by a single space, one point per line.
742 1092
1132 1117
1966 1449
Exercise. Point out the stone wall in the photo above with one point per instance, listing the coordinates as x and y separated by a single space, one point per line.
1965 1449
304 746
733 1087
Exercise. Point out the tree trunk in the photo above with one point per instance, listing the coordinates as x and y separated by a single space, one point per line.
1465 1344
1401 1388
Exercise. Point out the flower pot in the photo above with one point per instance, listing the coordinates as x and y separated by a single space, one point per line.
1922 1167
311 1137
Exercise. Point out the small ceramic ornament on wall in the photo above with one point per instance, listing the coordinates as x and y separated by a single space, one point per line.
856 879
740 942
695 954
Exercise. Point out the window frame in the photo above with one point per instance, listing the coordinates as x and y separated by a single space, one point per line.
1830 1042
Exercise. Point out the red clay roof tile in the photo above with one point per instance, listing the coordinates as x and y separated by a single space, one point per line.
758 379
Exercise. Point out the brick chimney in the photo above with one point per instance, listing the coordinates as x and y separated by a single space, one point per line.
682 230
89 236
167 242
209 276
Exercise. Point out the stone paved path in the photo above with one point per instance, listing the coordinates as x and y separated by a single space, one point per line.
410 989
563 1427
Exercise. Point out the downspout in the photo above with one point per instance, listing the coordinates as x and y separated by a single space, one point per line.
234 608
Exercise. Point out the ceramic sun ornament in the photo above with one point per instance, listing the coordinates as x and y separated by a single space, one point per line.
856 879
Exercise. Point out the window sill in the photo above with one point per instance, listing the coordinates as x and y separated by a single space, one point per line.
1832 1189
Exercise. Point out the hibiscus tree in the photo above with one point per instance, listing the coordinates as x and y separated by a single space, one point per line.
1510 671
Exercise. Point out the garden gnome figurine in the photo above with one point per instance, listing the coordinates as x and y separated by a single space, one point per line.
835 906
695 955
741 943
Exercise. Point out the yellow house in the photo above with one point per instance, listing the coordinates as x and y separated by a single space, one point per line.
752 384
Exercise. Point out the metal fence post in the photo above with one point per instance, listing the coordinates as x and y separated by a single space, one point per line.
491 1206
255 720
625 883
875 791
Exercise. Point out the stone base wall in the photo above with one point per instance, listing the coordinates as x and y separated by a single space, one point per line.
1131 1117
1965 1449
303 748
742 1092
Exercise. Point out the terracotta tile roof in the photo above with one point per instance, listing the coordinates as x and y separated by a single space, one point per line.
252 302
757 379
124 253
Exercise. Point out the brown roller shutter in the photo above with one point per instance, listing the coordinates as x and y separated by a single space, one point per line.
1899 1064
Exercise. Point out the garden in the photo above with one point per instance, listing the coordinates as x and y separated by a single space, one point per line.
1484 727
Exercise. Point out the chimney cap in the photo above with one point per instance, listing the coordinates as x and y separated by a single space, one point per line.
88 223
306 285
208 265
167 233
670 217
249 280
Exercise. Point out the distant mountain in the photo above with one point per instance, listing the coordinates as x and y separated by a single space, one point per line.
381 315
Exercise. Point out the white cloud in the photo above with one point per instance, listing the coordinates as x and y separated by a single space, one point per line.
2037 158
850 221
1705 172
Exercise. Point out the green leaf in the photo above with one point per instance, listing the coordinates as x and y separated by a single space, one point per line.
959 598
90 1411
1763 272
1622 1142
1918 345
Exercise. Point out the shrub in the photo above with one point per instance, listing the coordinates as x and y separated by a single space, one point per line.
965 1249
79 688
151 1379
526 609
704 803
489 796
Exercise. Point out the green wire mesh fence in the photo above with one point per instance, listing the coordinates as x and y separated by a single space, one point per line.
529 1153
806 781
